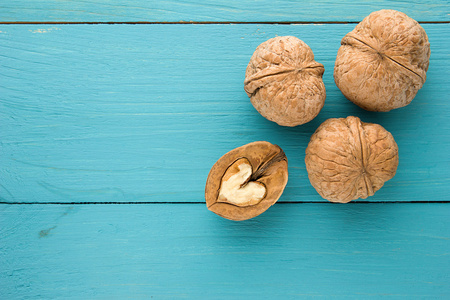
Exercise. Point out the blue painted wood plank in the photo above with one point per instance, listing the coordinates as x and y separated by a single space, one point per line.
215 10
117 113
355 251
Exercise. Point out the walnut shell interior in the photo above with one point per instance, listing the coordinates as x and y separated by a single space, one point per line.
382 63
347 159
269 170
284 82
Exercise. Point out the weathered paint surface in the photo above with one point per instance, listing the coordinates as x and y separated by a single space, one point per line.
139 113
185 251
117 113
215 10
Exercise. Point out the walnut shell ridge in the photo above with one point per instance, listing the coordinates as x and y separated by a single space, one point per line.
347 159
284 82
382 63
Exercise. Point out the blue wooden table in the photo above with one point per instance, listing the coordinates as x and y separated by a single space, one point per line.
112 114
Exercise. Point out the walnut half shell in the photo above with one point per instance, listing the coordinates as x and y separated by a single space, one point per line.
347 159
246 181
284 82
382 63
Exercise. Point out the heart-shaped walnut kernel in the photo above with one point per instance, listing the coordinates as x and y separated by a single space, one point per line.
246 181
347 159
237 188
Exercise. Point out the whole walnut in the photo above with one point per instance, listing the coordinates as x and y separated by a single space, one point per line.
382 63
347 159
284 82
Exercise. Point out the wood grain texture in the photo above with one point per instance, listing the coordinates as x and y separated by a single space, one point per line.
117 113
211 10
354 251
140 113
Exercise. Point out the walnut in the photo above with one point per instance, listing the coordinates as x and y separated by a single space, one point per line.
284 82
246 181
347 159
382 63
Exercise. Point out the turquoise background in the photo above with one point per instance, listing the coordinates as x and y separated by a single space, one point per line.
112 114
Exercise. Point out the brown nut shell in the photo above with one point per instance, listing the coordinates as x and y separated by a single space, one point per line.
347 159
284 82
382 63
269 168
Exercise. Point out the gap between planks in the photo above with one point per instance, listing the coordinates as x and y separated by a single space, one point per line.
200 23
183 203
